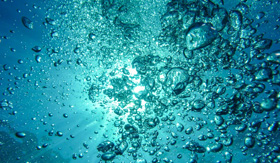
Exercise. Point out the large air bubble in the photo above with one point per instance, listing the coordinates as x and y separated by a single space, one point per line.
200 35
177 79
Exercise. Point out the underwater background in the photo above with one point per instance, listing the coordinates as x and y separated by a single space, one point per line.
154 81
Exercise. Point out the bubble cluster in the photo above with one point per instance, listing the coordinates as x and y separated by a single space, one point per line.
142 81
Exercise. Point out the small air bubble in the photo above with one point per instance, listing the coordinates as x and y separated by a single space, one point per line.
27 22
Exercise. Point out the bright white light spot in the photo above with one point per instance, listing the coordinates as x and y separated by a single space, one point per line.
130 105
132 71
110 86
143 103
136 81
143 108
134 97
137 89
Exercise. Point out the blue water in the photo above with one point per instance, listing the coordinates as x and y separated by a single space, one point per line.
120 71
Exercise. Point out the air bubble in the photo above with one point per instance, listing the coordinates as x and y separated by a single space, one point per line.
27 22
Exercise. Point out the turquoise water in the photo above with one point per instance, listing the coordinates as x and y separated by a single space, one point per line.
139 81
